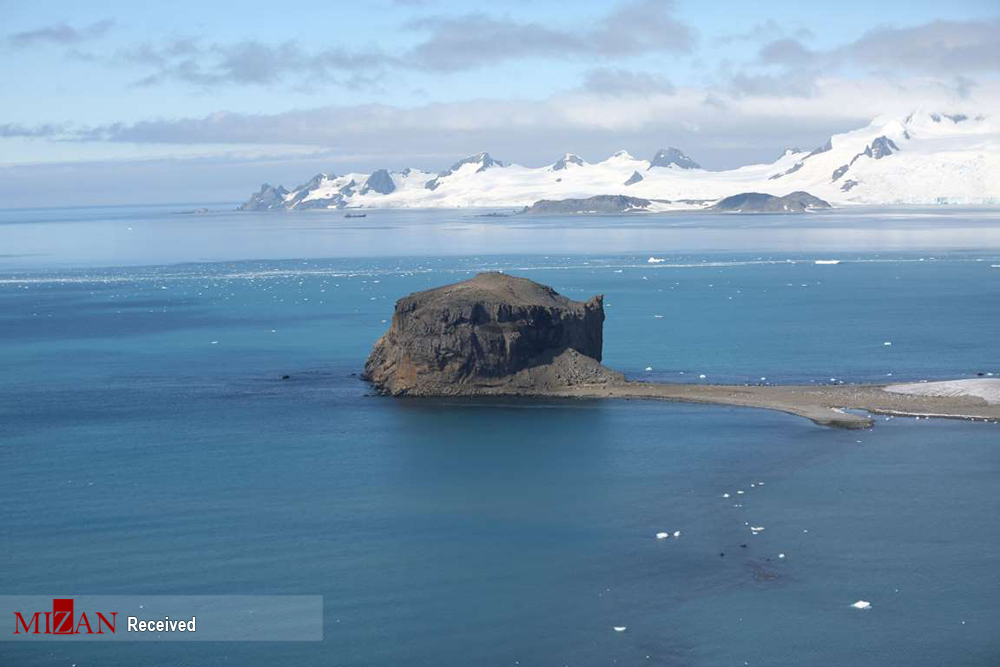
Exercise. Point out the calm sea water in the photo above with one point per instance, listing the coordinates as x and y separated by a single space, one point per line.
149 445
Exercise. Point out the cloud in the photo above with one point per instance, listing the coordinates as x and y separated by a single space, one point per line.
19 131
446 44
766 31
787 68
60 33
786 84
570 120
605 81
786 52
252 63
475 40
940 47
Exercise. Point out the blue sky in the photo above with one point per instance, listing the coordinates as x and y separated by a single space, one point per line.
129 102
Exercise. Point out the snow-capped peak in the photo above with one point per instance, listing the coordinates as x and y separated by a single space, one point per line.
673 157
567 160
620 156
477 163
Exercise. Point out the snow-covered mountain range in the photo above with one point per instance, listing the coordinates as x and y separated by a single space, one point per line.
926 157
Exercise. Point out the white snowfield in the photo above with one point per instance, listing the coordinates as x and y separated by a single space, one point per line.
987 389
926 157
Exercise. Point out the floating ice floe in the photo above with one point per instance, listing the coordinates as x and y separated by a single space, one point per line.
655 260
756 529
662 536
649 368
862 604
781 555
827 261
702 376
725 495
887 343
677 533
621 628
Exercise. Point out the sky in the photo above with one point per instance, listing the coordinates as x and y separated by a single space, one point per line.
113 102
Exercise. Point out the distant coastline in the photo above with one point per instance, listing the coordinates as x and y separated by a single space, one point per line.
923 158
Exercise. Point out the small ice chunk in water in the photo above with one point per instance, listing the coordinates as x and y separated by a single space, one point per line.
781 555
862 604
756 529
621 628
702 376
725 495
677 533
649 368
655 260
662 536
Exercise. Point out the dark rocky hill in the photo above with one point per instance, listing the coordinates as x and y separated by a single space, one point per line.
493 333
757 202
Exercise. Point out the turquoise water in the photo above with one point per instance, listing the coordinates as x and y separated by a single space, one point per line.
150 445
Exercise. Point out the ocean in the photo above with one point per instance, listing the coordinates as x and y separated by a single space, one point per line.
151 446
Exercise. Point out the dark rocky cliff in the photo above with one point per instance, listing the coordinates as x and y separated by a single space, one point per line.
492 334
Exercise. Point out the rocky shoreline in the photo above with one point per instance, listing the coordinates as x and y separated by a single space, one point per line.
498 335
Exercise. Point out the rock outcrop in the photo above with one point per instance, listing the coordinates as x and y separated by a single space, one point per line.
492 334
268 198
673 157
757 202
599 205
379 181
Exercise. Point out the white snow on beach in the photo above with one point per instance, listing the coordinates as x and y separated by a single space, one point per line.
987 389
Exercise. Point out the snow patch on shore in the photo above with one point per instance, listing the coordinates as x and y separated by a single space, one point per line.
987 389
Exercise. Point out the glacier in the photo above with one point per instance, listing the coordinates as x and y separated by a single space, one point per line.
924 158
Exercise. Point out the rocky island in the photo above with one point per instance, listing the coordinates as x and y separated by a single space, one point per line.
493 334
758 202
499 335
598 205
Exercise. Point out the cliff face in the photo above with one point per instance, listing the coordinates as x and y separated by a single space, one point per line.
492 334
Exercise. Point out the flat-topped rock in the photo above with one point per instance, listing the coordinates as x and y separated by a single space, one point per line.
491 334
